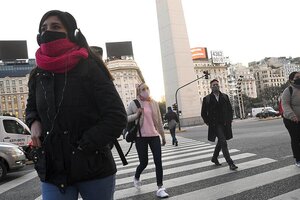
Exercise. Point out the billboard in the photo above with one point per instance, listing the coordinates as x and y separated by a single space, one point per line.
217 56
13 49
199 53
118 49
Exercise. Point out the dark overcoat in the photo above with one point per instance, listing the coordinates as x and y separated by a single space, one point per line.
81 115
216 112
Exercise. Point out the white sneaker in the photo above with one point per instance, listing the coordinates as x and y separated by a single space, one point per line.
297 164
137 183
161 192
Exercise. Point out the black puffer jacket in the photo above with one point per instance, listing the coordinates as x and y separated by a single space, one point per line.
77 108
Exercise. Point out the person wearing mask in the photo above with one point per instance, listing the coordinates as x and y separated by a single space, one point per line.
74 113
151 130
172 119
291 114
217 113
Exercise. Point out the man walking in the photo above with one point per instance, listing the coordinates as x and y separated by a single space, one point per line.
172 119
217 113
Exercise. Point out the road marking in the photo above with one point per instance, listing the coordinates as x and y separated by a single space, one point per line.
183 152
120 181
18 181
128 192
176 161
240 185
293 195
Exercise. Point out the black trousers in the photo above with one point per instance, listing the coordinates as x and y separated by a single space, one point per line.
294 131
173 134
141 145
222 144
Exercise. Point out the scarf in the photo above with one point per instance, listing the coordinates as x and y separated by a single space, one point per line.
59 56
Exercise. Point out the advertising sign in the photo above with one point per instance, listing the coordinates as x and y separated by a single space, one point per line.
199 53
217 56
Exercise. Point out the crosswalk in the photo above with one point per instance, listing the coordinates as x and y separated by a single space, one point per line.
190 175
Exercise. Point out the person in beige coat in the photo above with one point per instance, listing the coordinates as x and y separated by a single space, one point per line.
151 130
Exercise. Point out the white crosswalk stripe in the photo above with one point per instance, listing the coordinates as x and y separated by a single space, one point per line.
189 165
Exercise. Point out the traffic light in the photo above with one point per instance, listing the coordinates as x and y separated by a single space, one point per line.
174 106
206 74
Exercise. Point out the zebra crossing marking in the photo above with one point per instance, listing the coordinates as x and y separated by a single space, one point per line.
120 181
240 185
292 195
176 161
128 192
18 181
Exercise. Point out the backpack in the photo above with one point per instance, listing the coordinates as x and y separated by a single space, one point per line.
280 108
132 128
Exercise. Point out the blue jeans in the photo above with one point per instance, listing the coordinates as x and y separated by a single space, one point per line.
89 190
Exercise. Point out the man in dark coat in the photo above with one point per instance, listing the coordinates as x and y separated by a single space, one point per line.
217 114
172 119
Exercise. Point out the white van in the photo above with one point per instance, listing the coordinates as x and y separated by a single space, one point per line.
13 130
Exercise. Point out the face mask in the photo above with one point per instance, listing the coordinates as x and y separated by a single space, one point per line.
215 88
49 36
297 81
145 94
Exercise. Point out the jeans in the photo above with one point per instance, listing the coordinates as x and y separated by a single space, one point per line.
89 190
294 131
141 145
222 144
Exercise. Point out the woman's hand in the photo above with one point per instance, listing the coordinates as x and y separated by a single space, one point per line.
139 111
36 131
295 119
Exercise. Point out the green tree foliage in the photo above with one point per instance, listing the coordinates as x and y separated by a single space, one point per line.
270 95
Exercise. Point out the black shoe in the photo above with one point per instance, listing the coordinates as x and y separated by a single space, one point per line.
232 166
176 143
215 160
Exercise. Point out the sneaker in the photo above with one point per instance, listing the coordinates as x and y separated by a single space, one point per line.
161 192
137 183
297 163
176 143
232 166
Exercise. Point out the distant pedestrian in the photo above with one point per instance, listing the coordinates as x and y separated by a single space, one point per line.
172 119
291 114
217 113
151 128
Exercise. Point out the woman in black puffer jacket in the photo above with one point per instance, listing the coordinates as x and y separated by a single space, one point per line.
74 113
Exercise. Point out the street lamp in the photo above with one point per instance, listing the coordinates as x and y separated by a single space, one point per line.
206 74
240 97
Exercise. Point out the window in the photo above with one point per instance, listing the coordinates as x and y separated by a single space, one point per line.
12 126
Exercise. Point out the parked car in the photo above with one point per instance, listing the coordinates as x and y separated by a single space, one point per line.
12 158
268 113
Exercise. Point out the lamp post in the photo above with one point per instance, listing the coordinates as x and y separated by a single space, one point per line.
240 97
176 102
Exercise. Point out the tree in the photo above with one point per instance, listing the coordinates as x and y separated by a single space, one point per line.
270 95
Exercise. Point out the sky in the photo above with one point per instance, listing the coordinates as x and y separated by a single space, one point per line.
245 30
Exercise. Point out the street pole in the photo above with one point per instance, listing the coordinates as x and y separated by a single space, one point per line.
177 111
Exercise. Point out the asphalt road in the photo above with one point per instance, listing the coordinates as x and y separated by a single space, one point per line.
261 149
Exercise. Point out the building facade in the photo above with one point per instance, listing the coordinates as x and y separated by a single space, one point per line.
13 88
268 72
127 76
